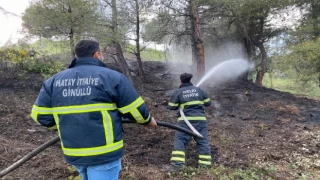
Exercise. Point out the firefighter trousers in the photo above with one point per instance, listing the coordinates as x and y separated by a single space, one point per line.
181 140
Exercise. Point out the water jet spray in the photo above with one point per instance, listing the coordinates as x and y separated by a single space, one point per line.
226 70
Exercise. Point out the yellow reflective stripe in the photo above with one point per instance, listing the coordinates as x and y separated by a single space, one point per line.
57 120
107 126
138 117
84 108
111 128
204 162
177 159
173 104
34 116
132 105
148 118
190 118
191 103
93 151
178 153
206 100
74 109
41 110
53 127
205 156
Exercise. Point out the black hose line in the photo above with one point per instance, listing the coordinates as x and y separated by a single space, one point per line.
56 139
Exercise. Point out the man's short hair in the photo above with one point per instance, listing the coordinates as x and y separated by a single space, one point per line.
185 77
86 48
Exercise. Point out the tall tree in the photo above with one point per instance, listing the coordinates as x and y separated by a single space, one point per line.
111 34
181 21
135 13
303 42
196 39
116 43
60 18
255 27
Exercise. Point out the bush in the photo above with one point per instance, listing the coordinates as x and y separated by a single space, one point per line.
45 68
14 55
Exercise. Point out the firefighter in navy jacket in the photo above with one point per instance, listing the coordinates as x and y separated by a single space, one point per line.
191 100
85 103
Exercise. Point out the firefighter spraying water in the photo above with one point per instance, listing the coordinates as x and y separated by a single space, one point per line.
191 101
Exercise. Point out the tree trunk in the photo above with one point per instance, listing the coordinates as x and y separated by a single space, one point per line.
319 78
138 55
122 61
248 47
71 35
263 66
196 41
120 56
314 13
71 39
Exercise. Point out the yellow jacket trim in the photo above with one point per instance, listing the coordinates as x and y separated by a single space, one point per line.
53 127
41 110
131 106
204 162
34 116
178 153
173 104
107 125
74 109
93 151
84 108
57 120
177 159
190 118
190 103
205 156
206 100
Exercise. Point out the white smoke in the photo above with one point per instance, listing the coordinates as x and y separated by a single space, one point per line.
217 72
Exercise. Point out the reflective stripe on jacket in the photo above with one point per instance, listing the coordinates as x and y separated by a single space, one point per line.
85 104
191 100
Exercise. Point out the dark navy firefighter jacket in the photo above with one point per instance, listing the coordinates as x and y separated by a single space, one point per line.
85 104
191 100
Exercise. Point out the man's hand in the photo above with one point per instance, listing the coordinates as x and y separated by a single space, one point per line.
152 123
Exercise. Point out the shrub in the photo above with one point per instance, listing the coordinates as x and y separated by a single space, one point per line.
45 68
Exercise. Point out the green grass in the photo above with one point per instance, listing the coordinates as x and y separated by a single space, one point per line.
148 54
308 88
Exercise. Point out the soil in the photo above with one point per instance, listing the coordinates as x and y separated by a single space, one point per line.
249 127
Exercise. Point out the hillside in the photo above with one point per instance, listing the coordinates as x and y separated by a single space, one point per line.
255 132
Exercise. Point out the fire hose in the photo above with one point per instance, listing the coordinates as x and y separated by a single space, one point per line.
56 139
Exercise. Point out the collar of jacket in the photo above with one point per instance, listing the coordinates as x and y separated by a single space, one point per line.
86 61
185 85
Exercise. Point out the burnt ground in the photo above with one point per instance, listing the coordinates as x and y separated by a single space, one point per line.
255 132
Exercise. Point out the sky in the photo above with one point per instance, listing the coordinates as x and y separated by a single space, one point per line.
11 25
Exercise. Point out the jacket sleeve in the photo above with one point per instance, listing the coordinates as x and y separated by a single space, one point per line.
130 103
174 101
206 99
42 109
